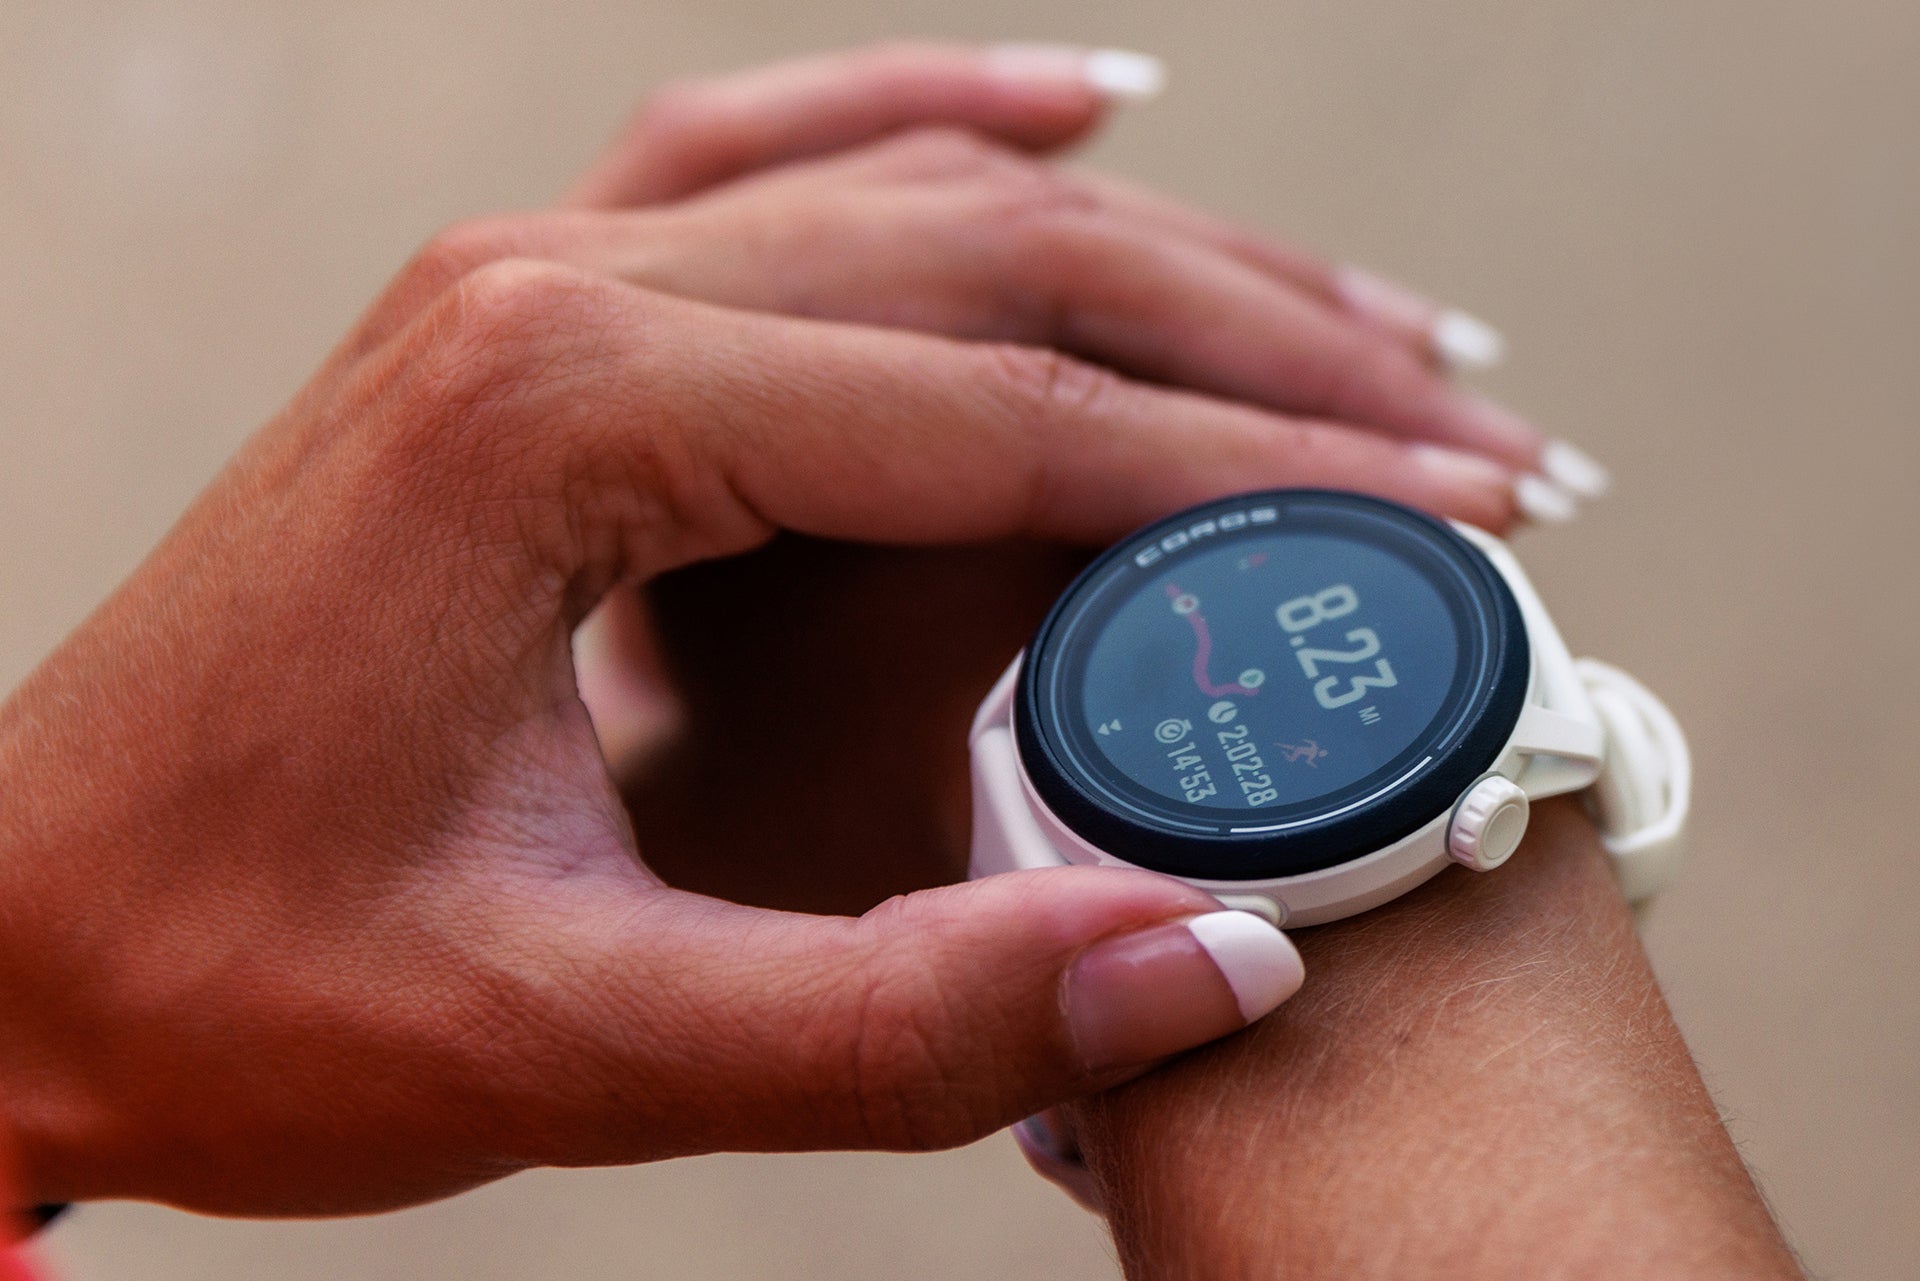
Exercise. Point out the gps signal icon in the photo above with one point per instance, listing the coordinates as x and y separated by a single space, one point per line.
1111 727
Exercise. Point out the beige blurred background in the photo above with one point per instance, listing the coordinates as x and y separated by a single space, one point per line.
1696 221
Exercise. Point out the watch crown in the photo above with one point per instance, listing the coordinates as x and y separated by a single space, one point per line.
1488 823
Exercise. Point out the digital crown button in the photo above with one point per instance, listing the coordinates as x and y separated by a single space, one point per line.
1488 823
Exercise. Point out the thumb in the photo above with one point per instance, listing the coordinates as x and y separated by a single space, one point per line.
933 1019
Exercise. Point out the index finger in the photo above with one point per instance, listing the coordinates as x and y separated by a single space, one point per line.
699 133
647 431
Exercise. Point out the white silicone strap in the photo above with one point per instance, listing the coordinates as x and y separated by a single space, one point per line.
1645 787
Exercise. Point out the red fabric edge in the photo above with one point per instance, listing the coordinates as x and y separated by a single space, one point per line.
14 1264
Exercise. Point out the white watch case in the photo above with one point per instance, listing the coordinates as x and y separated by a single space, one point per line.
1584 725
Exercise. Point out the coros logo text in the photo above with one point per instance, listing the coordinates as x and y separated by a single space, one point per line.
1193 533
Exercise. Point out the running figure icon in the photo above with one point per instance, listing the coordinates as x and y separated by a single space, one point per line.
1308 753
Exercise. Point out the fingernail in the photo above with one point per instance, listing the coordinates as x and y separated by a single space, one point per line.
1456 467
1574 469
1467 342
1167 988
1461 340
1542 501
1117 74
1494 426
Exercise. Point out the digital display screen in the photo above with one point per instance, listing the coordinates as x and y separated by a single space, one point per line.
1268 671
1270 684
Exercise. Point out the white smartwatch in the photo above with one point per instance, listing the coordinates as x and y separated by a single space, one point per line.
1307 703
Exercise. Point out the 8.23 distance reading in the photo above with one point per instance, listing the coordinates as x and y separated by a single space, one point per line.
1271 669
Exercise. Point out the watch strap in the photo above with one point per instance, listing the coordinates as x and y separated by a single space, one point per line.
1644 791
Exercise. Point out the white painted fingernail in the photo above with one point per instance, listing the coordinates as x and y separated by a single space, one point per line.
1573 468
1117 74
1542 501
1467 342
1259 963
1136 998
1461 340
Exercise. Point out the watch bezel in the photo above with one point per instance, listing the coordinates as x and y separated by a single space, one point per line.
1465 738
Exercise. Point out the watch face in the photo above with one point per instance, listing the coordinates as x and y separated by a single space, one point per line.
1271 685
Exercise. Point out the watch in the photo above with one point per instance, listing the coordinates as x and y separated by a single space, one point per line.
1307 703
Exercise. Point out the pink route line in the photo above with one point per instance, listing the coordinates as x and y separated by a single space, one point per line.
1203 652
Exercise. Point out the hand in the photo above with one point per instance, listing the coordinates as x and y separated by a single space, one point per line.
932 214
319 895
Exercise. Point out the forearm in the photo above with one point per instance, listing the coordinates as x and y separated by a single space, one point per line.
1479 1080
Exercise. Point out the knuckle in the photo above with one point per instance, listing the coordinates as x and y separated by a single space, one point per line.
1053 239
700 125
943 152
502 347
1048 389
512 317
459 249
912 1060
1032 196
1053 401
1049 229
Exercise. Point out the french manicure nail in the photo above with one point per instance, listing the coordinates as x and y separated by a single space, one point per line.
1542 501
1461 340
1117 74
1574 469
1167 988
1467 342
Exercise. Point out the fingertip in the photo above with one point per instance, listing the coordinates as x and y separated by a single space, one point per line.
1457 340
1260 964
1111 75
1574 469
1470 486
1466 342
1543 502
1123 75
1138 997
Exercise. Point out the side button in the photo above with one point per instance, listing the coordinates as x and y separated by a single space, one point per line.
1488 823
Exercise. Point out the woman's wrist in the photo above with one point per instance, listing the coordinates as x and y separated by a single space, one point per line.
1481 1079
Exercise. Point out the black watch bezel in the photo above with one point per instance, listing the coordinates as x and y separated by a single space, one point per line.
1125 820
